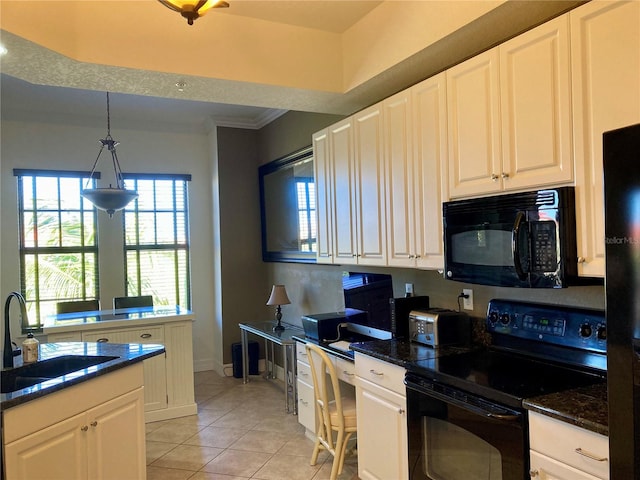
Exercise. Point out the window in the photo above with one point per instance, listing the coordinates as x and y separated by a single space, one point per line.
58 242
156 239
305 189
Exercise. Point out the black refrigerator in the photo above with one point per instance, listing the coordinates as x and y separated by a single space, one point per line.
622 285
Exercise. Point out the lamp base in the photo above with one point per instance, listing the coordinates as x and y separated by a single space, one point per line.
278 328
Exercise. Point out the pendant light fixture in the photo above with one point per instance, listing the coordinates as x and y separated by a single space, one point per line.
115 198
192 9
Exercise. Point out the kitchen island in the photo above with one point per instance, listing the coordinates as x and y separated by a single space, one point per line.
82 423
168 379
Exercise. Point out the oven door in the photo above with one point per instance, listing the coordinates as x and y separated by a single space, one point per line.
454 435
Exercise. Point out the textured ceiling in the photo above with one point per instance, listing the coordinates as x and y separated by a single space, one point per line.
37 80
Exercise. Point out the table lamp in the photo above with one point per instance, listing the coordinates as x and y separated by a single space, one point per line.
278 297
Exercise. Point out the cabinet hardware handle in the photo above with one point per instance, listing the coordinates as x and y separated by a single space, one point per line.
84 428
146 335
417 256
94 423
102 340
584 453
494 177
376 373
304 402
581 260
505 175
304 374
348 374
400 411
533 473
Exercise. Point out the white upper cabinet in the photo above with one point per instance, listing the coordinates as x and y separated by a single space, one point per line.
535 86
605 56
415 140
324 208
473 113
509 115
370 182
343 177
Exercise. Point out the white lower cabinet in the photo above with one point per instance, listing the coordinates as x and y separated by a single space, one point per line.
80 437
382 420
561 451
168 379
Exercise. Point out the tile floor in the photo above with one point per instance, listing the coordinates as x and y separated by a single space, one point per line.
241 431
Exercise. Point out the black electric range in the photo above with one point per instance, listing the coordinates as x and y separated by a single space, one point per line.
475 398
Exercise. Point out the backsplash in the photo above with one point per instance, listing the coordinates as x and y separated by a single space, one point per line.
318 289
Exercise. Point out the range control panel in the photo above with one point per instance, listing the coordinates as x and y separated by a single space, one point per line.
575 327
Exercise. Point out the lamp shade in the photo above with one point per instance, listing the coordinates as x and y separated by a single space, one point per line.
110 199
278 296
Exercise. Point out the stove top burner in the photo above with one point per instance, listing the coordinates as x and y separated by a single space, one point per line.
503 377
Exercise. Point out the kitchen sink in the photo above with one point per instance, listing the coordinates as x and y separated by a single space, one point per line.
33 373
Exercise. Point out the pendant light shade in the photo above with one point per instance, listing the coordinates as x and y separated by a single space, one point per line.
192 9
109 199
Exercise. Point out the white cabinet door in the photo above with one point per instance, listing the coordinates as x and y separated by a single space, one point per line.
155 368
473 106
605 57
113 455
58 452
545 468
399 191
430 159
382 427
324 207
370 181
535 93
344 181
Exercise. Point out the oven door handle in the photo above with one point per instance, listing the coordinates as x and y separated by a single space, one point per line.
508 416
515 246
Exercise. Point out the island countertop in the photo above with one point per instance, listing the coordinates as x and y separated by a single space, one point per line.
124 355
109 318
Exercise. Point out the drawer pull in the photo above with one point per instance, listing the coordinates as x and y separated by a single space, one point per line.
303 374
102 340
304 402
533 473
400 411
94 423
348 374
584 453
379 374
146 335
84 428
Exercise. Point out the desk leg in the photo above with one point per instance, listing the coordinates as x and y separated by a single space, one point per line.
245 356
291 395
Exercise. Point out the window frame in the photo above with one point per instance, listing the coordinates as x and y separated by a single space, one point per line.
85 179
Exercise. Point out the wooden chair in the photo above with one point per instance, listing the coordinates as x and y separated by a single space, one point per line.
77 306
335 415
130 302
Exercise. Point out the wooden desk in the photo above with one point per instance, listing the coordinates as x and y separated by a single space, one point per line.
284 338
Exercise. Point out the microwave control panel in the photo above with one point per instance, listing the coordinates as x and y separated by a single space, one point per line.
544 250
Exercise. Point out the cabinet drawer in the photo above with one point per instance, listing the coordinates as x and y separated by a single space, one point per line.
304 373
346 370
153 334
585 450
301 352
306 408
381 373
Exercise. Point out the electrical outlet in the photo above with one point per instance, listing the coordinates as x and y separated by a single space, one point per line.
408 289
467 303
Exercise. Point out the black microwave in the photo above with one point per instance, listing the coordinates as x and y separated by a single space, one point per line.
515 240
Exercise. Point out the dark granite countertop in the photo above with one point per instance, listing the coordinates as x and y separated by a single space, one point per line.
124 355
585 407
402 352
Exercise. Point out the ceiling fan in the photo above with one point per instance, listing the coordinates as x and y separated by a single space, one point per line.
192 9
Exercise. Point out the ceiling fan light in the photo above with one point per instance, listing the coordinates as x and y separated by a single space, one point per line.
193 9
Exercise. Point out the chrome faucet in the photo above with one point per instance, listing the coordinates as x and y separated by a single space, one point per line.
8 352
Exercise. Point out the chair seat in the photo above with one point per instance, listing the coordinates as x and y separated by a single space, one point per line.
348 410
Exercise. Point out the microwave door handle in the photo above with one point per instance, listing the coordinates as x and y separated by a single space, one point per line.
515 245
